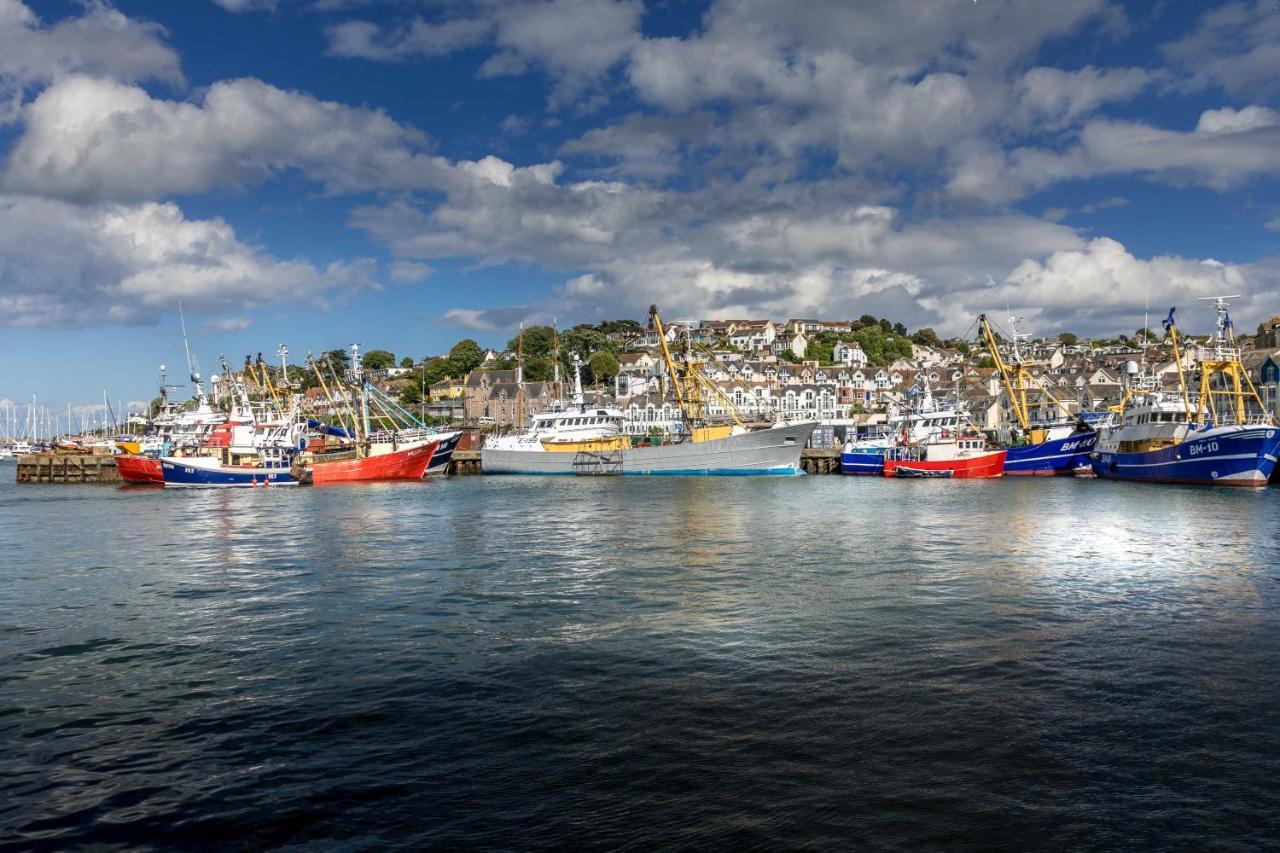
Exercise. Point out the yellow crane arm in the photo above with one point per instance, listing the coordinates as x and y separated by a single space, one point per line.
656 321
1018 396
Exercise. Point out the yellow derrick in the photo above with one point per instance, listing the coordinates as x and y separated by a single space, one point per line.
1017 379
692 388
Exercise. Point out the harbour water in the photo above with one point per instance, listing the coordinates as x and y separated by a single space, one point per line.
792 662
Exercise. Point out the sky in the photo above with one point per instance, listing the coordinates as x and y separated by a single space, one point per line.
404 174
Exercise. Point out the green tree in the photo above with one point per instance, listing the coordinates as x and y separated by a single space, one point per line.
538 340
339 359
962 346
540 368
900 330
882 347
626 328
986 361
821 348
1147 333
604 365
501 363
788 355
864 321
436 370
584 339
378 359
410 394
926 337
407 362
465 357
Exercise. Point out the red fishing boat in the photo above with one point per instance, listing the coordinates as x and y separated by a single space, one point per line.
140 469
407 464
947 456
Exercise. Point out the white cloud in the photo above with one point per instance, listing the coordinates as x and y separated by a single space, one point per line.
500 319
587 285
416 39
575 41
1227 147
101 41
1235 46
227 324
70 266
90 139
1101 284
1274 224
1228 120
238 6
1058 97
408 272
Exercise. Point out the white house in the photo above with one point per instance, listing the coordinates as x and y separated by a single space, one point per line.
850 354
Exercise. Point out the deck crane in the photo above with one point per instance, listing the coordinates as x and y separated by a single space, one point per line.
1017 377
691 387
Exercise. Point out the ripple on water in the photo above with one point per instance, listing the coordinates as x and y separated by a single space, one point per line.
785 662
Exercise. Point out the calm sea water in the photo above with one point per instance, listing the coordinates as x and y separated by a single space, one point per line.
640 663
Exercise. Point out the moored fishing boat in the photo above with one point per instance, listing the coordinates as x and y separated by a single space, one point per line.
583 438
140 469
1038 449
965 456
925 420
1225 438
409 463
210 471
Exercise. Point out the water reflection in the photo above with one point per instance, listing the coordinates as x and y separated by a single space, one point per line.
446 660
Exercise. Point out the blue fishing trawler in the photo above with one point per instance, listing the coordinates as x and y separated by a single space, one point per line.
1045 448
196 471
1222 438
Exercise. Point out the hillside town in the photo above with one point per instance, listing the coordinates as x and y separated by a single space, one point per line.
831 371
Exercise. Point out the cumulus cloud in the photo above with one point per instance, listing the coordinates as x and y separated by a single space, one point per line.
575 41
1227 147
416 39
1236 47
102 41
63 265
1096 285
90 139
1057 97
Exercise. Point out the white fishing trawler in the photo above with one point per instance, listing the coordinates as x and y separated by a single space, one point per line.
584 438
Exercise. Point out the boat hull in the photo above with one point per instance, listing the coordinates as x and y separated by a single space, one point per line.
981 467
439 463
1059 456
767 451
186 472
408 464
140 469
862 462
1225 457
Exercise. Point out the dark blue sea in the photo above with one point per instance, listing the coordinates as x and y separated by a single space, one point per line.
642 664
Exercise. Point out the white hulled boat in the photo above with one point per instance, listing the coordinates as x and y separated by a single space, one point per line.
582 438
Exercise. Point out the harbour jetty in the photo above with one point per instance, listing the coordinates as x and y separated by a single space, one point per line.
67 468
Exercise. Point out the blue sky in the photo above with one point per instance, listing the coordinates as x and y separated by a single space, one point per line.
403 174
